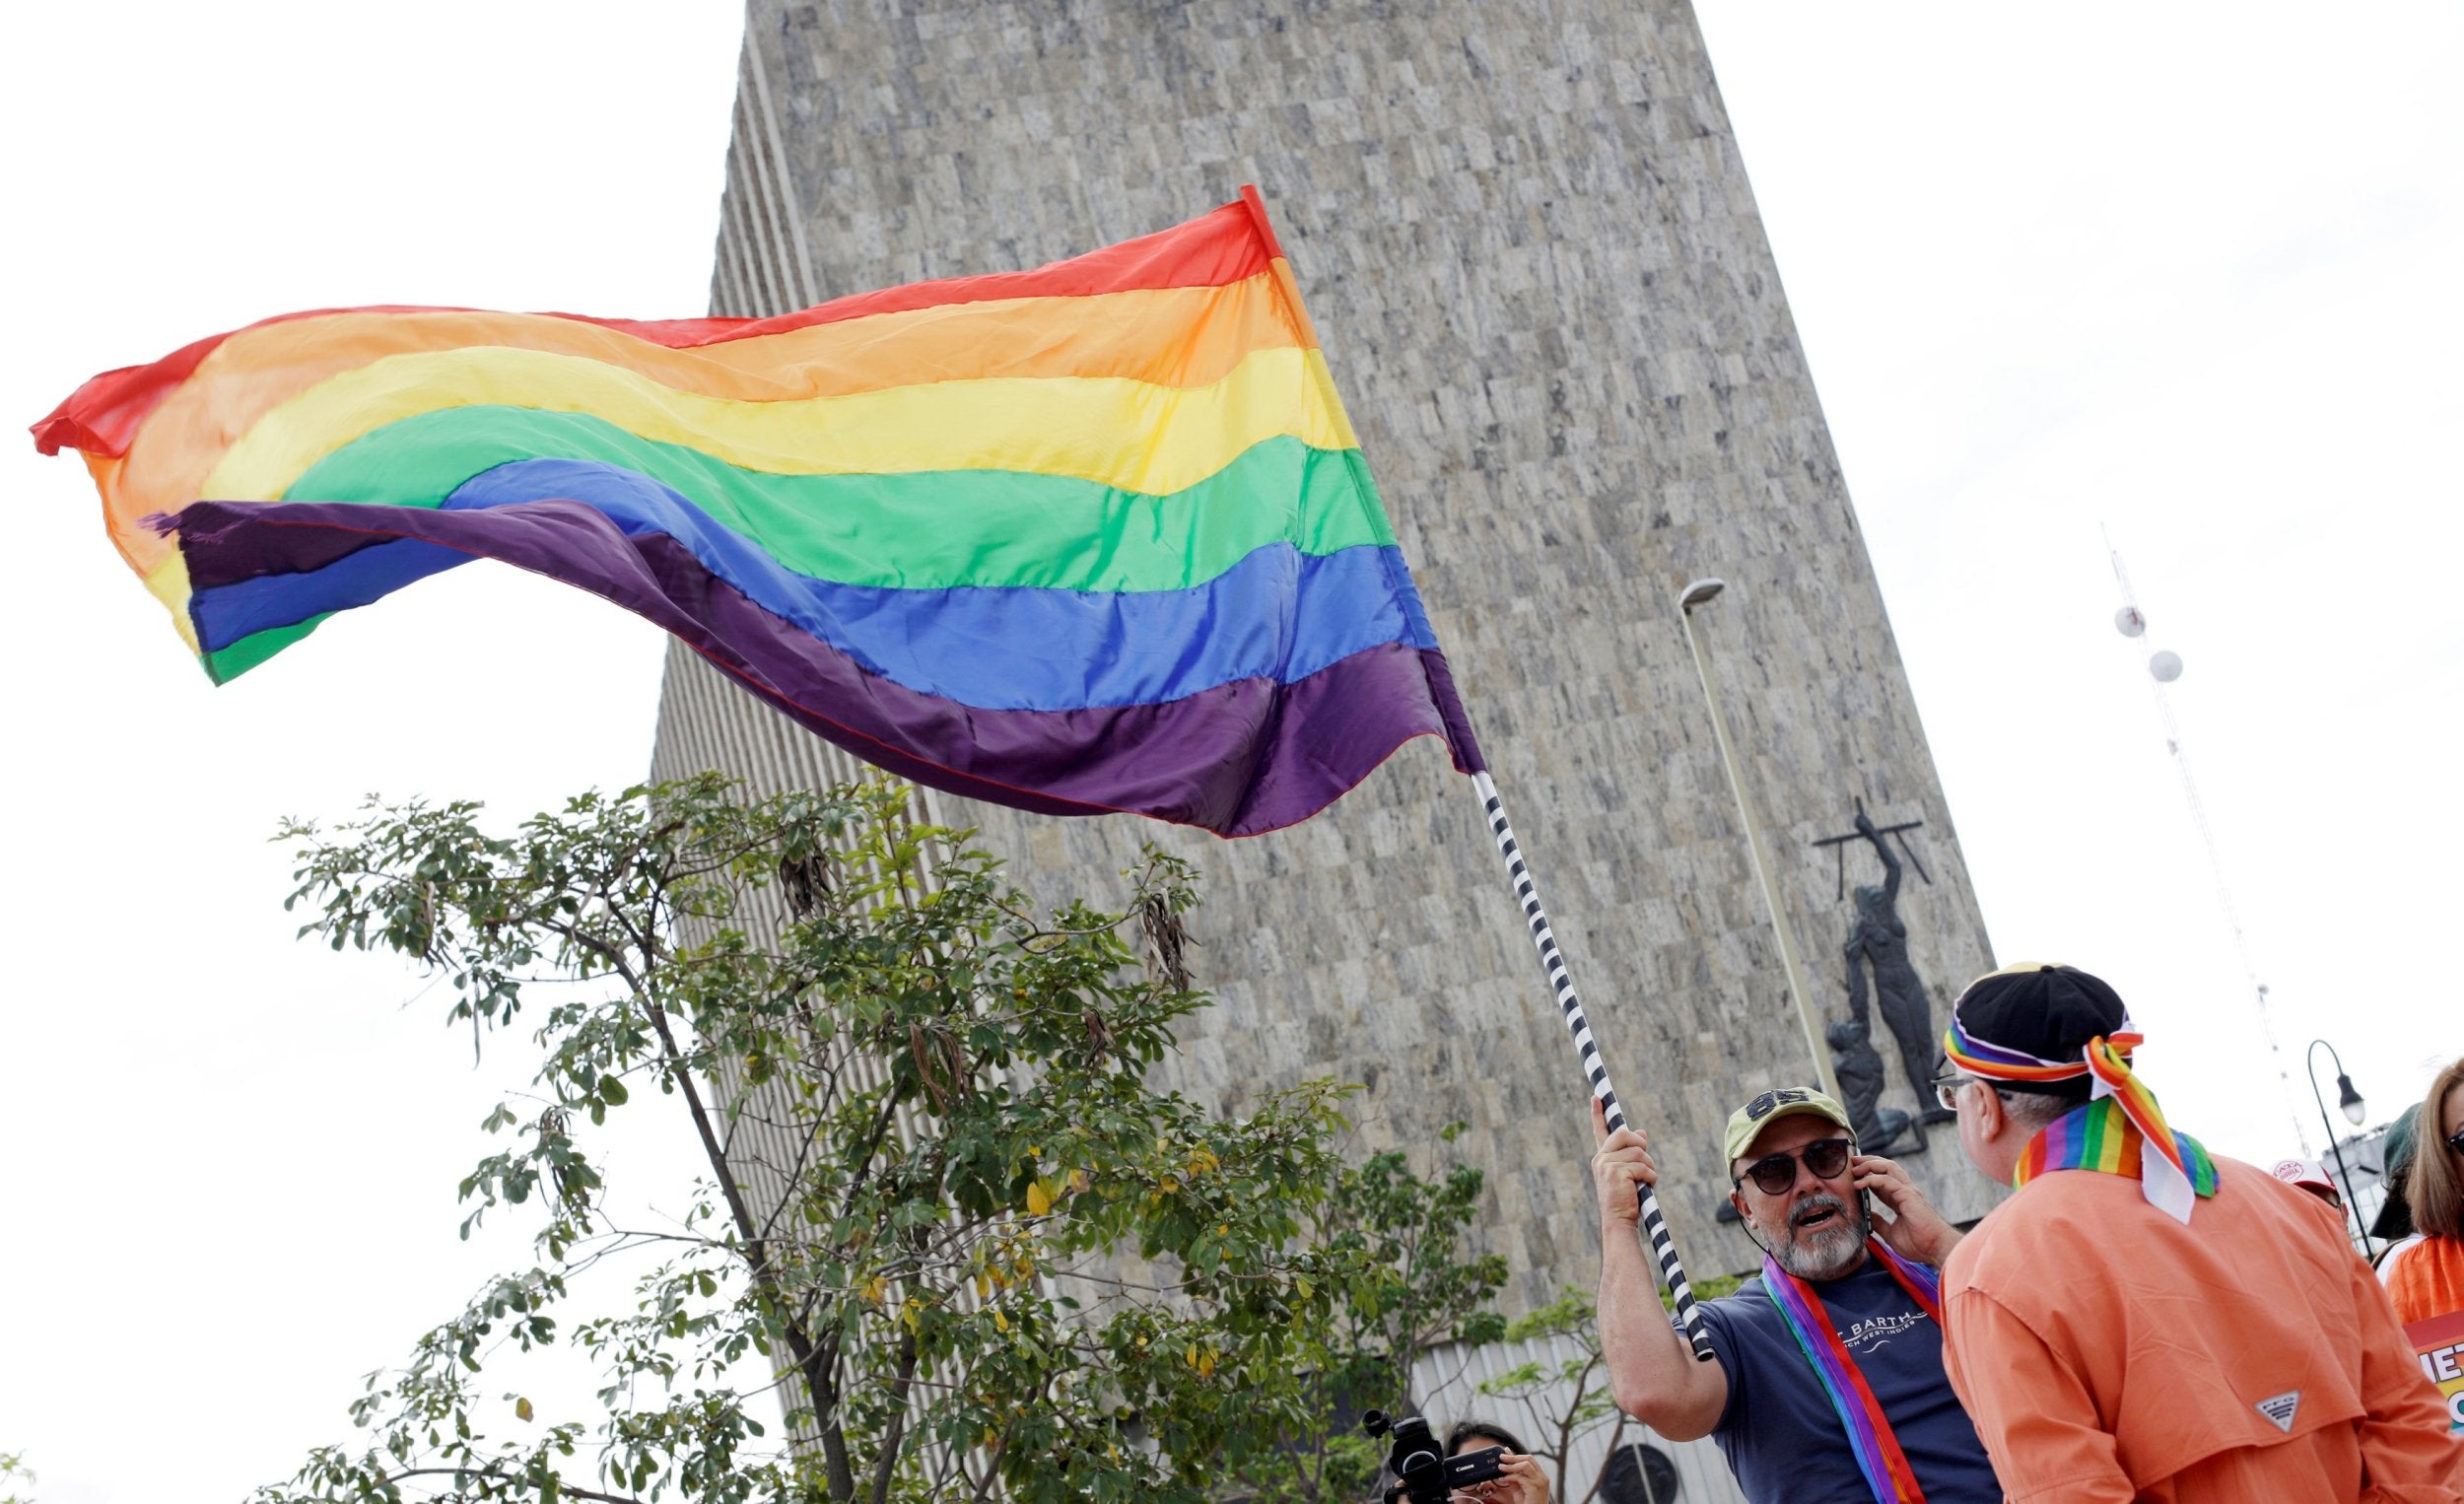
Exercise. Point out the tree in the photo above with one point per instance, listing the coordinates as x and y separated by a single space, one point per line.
942 1204
1411 1290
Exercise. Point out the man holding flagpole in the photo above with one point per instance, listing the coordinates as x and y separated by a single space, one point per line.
1826 1381
2145 1321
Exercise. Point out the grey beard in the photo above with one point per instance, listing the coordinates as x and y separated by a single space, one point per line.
1828 1255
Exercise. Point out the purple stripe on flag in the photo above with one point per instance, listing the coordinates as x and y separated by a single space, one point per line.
1239 759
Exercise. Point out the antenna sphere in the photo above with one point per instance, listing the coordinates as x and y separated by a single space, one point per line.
2129 622
2166 666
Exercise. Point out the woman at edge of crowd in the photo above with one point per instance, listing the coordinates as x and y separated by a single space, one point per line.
2424 1274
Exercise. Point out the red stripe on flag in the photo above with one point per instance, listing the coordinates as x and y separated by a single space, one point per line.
1228 245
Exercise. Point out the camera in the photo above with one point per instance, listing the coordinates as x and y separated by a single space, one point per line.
1424 1473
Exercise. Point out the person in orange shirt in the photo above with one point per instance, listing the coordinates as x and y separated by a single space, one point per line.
2424 1274
2142 1320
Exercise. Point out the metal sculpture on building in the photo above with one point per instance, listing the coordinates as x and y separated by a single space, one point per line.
1877 942
1858 1067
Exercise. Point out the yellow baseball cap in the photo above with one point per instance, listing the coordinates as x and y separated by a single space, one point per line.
1772 1106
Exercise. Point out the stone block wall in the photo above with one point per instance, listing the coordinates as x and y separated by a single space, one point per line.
1528 241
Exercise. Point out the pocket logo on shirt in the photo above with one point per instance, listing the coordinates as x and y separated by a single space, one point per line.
2279 1408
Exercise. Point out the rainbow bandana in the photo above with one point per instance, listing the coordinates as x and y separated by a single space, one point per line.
2102 1137
1870 1436
2172 1177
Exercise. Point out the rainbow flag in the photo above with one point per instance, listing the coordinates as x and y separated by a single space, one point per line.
1088 538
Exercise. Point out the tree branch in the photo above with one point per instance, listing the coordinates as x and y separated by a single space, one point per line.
491 1474
886 1464
816 1361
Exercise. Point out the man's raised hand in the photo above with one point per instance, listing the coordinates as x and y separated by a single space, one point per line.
1915 1230
1621 1164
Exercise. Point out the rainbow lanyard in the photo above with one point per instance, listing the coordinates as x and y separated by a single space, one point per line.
2102 1137
1870 1436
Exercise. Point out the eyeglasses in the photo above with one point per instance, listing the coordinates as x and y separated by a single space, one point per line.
1946 1090
2455 1140
1773 1174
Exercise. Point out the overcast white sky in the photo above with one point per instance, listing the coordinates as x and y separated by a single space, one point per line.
2187 271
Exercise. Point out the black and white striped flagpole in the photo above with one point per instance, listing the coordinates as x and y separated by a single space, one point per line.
1520 874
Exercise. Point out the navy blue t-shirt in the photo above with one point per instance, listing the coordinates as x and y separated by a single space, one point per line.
1783 1439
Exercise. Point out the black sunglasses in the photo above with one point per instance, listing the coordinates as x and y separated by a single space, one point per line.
1773 1174
2455 1140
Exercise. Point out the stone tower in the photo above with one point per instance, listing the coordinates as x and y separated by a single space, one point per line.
1526 239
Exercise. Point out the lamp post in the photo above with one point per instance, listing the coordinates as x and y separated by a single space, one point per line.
2349 1101
1695 594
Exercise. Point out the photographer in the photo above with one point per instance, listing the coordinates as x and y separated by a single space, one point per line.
1828 1379
1525 1481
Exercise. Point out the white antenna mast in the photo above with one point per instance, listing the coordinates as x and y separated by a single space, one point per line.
2163 667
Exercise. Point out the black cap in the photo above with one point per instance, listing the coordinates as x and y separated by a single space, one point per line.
2047 1011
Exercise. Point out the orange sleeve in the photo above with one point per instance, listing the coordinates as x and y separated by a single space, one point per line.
2424 1280
2408 1455
2033 1414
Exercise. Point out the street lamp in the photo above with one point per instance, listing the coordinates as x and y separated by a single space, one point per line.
1694 594
2354 1111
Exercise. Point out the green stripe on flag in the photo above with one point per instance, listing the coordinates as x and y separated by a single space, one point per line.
921 530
